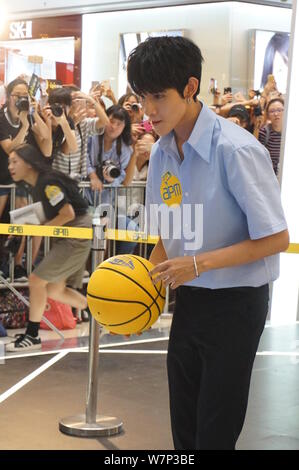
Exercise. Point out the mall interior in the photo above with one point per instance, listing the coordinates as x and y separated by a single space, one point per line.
71 394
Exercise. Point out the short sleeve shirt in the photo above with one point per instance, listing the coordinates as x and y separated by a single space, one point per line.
223 192
54 193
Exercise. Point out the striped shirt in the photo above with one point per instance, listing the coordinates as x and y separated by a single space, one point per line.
74 164
271 140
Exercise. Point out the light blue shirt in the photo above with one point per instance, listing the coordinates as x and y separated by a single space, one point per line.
122 161
107 195
227 183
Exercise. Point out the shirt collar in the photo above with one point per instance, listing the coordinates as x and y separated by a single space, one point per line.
200 138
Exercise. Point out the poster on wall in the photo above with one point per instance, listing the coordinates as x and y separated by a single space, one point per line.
128 42
268 56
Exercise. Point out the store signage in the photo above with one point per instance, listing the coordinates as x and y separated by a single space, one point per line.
20 30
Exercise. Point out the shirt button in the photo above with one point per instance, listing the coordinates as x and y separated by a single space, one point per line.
186 194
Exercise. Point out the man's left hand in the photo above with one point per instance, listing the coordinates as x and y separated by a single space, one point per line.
174 272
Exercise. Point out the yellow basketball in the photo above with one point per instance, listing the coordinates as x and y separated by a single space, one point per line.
122 297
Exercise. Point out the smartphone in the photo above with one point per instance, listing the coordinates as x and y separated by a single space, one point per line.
34 85
213 86
147 126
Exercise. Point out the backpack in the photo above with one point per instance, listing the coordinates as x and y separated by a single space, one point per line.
13 312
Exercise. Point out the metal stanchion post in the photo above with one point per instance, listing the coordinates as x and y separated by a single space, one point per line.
91 424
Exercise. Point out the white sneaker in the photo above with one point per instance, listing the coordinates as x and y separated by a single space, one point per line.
24 342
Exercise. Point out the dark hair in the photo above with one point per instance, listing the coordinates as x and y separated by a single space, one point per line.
238 110
71 87
278 43
11 86
164 62
61 96
34 158
273 101
125 98
117 112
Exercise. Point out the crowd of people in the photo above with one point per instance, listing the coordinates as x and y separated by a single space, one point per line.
261 113
74 135
202 165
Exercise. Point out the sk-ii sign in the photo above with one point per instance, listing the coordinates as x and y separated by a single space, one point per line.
20 30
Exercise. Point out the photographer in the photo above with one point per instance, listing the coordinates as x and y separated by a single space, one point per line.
63 133
65 263
131 104
74 163
19 122
112 147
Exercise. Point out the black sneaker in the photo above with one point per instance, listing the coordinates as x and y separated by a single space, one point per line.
20 273
24 343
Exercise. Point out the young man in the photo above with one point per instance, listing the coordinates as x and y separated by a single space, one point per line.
215 183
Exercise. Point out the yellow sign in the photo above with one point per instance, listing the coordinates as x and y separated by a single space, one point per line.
170 189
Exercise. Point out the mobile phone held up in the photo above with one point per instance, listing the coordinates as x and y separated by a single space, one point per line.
147 126
34 85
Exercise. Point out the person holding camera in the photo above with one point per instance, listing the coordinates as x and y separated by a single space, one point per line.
20 122
74 163
109 154
65 263
110 162
130 103
62 126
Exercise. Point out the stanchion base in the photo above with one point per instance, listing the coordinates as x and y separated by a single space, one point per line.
103 426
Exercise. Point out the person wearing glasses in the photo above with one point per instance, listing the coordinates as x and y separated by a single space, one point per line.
270 135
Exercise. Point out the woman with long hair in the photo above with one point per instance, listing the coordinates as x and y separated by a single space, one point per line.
110 161
65 263
113 145
20 122
276 60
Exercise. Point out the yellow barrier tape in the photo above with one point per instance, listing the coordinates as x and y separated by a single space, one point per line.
74 232
130 236
86 233
293 248
46 231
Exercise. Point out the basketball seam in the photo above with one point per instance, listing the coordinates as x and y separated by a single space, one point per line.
116 300
158 291
132 319
135 282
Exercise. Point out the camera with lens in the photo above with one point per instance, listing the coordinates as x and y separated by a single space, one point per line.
135 107
57 110
22 104
107 168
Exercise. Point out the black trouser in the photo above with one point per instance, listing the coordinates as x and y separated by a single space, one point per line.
213 341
